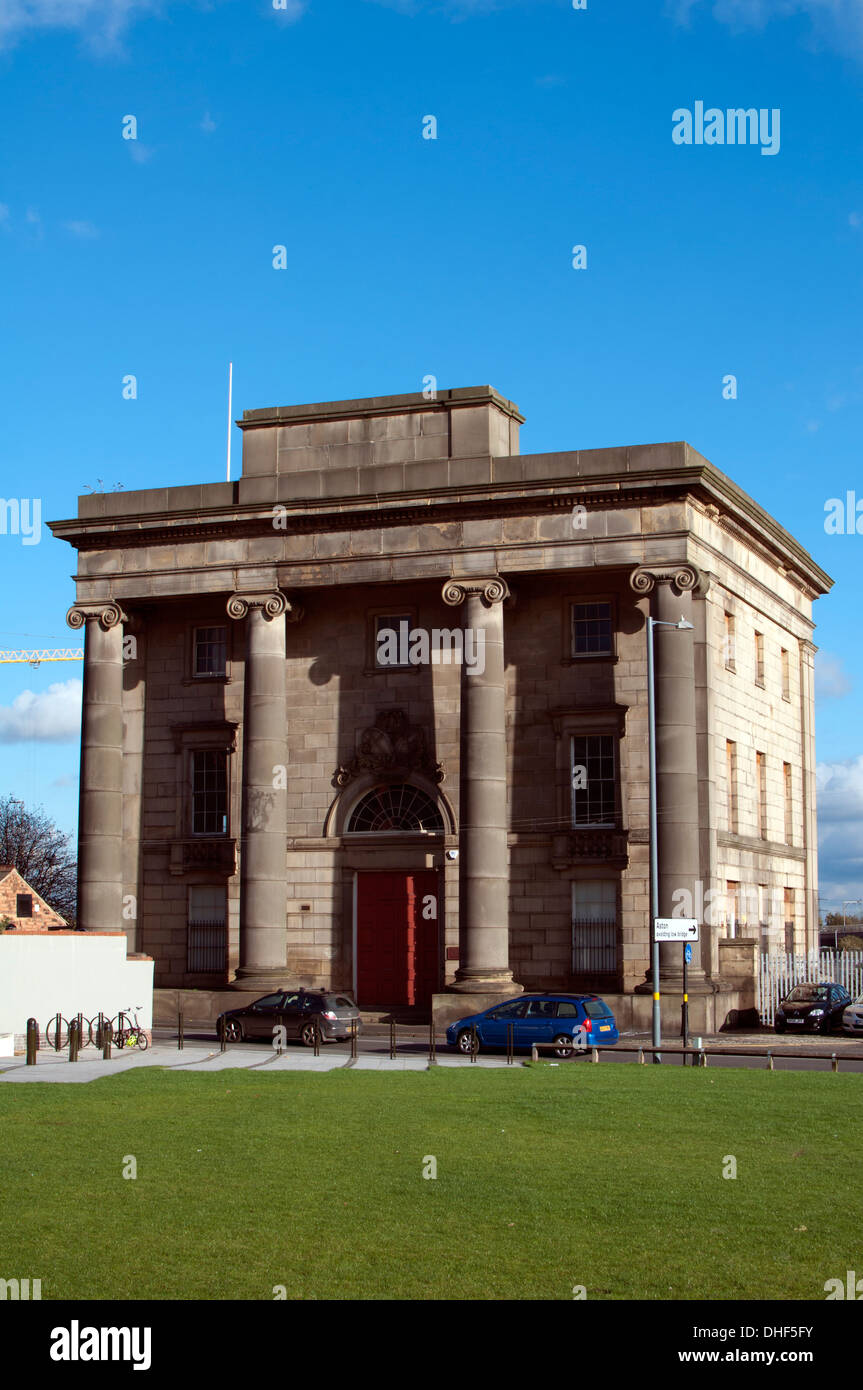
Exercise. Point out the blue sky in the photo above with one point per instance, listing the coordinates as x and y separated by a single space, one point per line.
409 257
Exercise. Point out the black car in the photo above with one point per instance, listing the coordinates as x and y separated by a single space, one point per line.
812 1009
298 1011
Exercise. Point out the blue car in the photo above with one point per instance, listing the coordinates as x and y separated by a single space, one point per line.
569 1020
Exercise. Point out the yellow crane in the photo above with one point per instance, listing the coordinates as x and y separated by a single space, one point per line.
35 658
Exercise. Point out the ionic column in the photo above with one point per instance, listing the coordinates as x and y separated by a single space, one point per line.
100 803
679 857
263 928
483 867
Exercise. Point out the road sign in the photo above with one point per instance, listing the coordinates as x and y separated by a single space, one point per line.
675 928
687 953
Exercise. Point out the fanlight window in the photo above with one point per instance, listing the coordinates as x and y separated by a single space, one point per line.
393 809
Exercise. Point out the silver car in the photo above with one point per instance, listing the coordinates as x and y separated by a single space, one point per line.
852 1018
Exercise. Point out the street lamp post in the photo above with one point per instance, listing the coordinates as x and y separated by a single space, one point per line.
683 625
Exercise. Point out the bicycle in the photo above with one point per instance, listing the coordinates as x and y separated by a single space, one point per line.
131 1036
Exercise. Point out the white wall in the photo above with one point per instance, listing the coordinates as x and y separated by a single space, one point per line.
41 976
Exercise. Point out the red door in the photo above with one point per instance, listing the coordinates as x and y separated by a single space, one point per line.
397 938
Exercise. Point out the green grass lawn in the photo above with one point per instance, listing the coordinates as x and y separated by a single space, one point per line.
547 1177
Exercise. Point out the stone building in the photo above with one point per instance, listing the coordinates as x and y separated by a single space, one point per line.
288 774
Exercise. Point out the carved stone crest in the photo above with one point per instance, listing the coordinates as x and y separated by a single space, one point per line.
393 748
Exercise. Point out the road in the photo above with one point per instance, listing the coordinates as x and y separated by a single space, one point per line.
374 1041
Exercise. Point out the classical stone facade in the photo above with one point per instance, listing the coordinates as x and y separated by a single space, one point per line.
263 797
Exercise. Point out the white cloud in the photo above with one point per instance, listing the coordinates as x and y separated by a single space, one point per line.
839 800
840 22
831 681
207 124
101 21
85 231
52 716
457 9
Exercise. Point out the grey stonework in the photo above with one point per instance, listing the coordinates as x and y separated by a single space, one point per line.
351 509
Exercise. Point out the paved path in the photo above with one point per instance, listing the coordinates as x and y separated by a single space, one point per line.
202 1053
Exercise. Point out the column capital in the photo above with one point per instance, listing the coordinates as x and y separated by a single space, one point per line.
272 603
492 588
107 613
683 578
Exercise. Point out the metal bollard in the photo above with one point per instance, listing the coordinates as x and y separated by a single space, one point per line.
317 1048
32 1041
73 1040
107 1031
769 1060
509 1044
702 1058
81 1039
835 1062
594 1054
354 1038
223 1041
432 1045
392 1039
58 1024
180 1026
474 1043
641 1055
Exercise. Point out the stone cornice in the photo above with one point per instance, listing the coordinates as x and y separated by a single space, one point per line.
695 481
373 406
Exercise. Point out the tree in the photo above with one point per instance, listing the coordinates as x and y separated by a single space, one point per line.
836 919
42 854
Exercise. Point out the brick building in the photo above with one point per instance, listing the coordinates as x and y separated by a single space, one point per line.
273 788
21 908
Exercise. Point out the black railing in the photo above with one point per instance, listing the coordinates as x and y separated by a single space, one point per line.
207 948
594 946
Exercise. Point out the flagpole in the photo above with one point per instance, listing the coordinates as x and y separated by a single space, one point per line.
230 395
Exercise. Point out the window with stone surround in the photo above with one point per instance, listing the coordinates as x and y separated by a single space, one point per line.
209 793
592 629
789 921
203 770
732 907
759 658
786 674
594 927
594 780
728 643
380 620
761 793
24 905
731 785
789 803
207 941
209 652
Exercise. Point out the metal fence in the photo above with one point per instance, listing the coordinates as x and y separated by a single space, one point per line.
594 946
207 948
778 974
